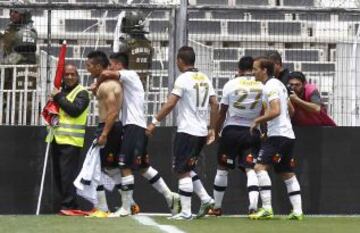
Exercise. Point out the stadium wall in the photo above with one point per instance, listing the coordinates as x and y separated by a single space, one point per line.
327 167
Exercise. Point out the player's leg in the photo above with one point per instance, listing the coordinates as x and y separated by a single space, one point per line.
127 161
154 178
183 163
158 183
253 189
207 202
220 185
247 162
286 170
263 162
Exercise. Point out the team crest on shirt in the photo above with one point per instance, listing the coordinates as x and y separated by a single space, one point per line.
250 159
110 158
191 162
138 160
276 158
292 163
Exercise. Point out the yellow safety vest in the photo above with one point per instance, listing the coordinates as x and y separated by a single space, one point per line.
71 130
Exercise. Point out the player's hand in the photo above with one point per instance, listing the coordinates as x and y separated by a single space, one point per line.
254 125
211 137
150 129
102 140
93 88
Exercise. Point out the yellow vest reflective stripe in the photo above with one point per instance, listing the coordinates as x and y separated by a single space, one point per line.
71 130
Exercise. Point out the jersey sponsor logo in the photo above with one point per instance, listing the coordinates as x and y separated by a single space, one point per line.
198 77
272 93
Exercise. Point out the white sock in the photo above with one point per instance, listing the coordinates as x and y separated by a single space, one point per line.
158 183
220 184
253 189
185 190
293 189
265 188
117 179
102 204
199 188
127 191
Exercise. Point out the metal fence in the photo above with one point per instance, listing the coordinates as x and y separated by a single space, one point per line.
321 42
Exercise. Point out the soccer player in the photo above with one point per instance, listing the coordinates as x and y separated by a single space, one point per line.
133 155
192 94
277 150
109 132
240 105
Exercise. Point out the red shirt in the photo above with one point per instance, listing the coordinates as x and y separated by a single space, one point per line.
306 118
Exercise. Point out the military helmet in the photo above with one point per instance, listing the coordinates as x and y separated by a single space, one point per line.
21 2
133 22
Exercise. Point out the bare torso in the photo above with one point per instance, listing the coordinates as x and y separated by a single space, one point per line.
110 87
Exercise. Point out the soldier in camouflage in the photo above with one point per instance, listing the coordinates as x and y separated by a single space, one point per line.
19 39
135 44
18 47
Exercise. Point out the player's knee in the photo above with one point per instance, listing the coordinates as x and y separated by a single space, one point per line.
287 175
260 167
126 172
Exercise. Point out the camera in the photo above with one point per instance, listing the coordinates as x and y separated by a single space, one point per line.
289 89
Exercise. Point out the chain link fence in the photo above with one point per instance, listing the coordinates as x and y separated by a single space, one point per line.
321 42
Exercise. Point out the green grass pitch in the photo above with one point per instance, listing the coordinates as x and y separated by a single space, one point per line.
60 224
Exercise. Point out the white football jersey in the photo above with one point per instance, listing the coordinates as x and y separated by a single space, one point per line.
133 104
243 95
281 125
194 90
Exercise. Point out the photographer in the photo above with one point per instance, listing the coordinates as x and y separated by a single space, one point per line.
309 110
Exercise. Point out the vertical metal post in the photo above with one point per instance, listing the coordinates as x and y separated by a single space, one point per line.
48 62
178 38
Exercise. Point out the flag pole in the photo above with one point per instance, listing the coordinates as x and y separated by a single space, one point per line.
44 171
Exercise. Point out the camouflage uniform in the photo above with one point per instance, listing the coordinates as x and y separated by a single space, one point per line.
18 45
140 52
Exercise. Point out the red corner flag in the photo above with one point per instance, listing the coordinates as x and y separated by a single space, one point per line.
51 109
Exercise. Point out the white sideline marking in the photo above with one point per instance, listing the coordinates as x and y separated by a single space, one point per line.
147 221
241 216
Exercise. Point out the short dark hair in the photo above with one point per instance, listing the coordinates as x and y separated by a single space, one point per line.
72 64
297 75
187 55
100 58
246 63
275 57
121 57
267 64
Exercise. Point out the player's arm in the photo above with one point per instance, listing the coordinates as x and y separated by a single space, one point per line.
272 112
108 75
214 106
291 108
221 116
164 111
109 95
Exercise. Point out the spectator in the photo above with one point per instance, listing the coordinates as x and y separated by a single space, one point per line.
68 138
309 109
280 72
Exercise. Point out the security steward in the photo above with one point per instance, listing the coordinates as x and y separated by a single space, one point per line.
68 139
